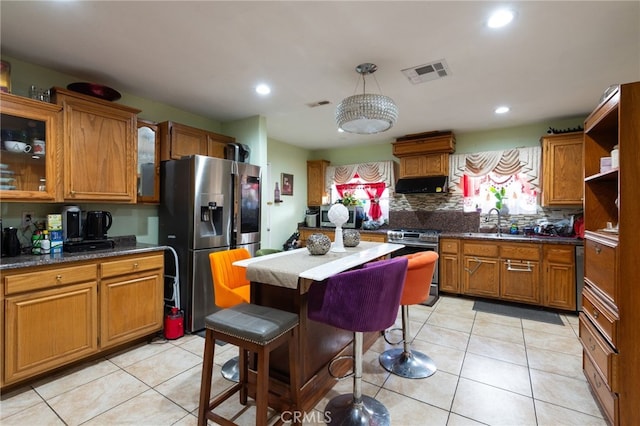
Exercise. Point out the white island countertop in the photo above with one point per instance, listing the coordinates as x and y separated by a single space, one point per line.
286 268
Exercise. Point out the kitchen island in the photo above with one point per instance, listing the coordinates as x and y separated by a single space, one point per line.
282 281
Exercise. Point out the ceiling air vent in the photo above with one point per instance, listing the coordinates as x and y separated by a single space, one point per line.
427 72
317 104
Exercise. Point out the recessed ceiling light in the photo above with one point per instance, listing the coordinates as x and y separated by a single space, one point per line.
263 89
502 110
500 18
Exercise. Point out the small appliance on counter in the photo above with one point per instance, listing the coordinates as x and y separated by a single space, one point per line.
97 224
71 224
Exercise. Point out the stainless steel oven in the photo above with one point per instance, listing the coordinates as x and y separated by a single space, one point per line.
417 240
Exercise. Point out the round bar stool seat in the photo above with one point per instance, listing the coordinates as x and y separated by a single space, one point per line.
407 362
256 329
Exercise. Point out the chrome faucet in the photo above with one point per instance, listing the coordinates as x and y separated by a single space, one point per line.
499 220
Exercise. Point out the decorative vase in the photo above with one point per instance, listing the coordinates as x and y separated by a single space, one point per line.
350 237
338 215
318 244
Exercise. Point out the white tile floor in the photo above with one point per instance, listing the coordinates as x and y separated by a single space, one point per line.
492 369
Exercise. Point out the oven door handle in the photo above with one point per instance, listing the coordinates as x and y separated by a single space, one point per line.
472 271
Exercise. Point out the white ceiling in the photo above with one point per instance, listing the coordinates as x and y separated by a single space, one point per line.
554 61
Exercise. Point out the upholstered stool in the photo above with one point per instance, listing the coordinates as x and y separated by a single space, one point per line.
404 361
361 300
257 329
230 287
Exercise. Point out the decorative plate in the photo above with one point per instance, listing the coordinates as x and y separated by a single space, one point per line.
95 90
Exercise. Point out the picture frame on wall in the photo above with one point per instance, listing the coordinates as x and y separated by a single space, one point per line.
286 184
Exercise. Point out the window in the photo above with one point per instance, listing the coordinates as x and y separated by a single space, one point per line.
520 197
373 197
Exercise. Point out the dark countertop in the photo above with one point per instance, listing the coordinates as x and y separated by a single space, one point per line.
514 238
33 260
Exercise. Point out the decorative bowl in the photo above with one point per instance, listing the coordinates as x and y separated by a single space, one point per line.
318 244
350 237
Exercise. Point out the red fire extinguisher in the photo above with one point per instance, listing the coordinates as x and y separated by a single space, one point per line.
174 324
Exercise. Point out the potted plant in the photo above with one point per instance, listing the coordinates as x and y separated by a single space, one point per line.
350 200
500 195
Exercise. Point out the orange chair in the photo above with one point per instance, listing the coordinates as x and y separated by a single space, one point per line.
406 362
230 288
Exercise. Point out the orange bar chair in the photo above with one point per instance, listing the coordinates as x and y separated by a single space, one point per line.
230 288
406 362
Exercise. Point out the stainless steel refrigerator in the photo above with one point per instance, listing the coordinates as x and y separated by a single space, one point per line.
207 204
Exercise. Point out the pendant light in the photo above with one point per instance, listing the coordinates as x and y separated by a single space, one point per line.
367 113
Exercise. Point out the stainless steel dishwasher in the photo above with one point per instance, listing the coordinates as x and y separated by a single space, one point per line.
579 276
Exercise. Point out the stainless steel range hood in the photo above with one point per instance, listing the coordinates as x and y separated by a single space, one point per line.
422 185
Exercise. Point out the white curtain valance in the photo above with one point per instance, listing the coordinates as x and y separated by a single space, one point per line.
382 171
517 160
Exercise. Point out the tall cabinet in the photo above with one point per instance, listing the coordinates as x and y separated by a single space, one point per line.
610 321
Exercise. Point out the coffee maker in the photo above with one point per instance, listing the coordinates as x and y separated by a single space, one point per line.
71 224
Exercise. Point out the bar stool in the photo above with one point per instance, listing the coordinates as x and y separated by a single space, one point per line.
406 362
257 329
361 300
230 287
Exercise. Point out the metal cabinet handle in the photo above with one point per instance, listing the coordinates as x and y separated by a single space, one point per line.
511 268
472 271
598 250
58 277
135 265
596 314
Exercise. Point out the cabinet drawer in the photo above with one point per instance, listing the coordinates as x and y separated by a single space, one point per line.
480 249
559 254
130 265
449 246
38 280
520 251
605 319
602 355
600 266
608 400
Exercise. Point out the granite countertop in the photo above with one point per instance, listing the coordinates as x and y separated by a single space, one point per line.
122 248
515 238
382 230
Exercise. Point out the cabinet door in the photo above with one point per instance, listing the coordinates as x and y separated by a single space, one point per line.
29 171
559 279
99 150
48 329
481 276
562 182
148 163
131 305
185 140
412 166
436 164
217 145
449 280
315 182
520 281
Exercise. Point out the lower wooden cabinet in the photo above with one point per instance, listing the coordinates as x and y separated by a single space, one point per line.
449 265
559 276
481 269
56 315
520 273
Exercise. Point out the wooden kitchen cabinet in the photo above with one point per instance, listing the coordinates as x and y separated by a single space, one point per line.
131 298
424 165
33 176
520 273
51 319
99 148
449 265
179 140
562 175
55 315
316 191
148 179
559 276
424 154
611 300
481 269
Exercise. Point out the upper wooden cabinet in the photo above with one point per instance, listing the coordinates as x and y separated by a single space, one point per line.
315 182
99 148
32 174
562 169
148 162
178 140
424 154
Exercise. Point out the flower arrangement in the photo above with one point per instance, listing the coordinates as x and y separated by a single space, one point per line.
349 199
500 196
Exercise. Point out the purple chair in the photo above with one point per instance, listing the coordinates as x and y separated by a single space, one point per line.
361 300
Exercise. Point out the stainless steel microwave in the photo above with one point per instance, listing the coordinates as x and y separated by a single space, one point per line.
326 223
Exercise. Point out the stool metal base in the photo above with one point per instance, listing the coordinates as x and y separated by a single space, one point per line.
412 364
231 370
344 411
